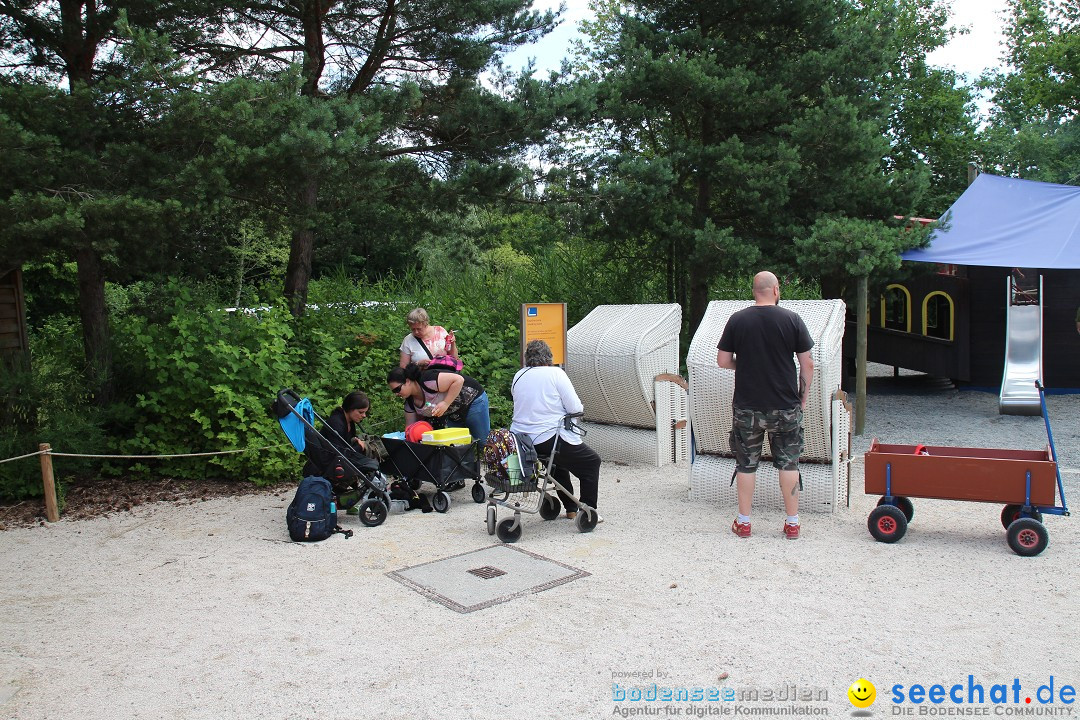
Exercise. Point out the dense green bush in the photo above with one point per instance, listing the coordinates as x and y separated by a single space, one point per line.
43 399
194 378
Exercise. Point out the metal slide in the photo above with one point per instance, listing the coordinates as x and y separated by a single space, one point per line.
1023 351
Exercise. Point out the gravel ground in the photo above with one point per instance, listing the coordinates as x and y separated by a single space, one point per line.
207 611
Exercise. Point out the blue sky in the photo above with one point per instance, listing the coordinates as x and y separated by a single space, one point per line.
970 54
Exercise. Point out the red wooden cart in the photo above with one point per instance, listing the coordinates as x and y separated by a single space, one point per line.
1022 480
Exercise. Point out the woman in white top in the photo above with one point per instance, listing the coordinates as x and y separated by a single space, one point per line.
437 339
543 394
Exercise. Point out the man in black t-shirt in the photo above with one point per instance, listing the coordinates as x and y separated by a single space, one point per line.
769 396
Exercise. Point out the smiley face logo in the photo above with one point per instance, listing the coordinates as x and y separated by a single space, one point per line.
862 693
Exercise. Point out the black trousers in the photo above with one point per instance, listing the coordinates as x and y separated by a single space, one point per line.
582 461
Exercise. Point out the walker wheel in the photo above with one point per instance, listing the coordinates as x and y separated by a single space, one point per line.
491 519
586 519
479 494
903 503
509 530
550 507
887 523
440 501
1027 537
1009 513
372 513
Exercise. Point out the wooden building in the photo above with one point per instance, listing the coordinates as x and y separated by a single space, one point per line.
952 325
12 313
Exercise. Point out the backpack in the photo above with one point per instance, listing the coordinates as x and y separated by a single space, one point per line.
312 514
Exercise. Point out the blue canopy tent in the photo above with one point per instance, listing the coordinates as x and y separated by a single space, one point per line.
999 224
1004 222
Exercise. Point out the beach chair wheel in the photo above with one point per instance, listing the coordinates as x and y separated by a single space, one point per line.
1009 513
372 513
491 519
550 507
903 503
586 519
887 523
479 495
1027 536
440 501
509 530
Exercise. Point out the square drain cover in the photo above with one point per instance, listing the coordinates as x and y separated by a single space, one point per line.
482 578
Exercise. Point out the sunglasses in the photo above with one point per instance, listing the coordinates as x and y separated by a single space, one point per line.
397 389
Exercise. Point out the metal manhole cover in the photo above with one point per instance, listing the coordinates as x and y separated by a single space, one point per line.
463 583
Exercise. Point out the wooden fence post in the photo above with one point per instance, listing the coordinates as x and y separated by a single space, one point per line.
52 513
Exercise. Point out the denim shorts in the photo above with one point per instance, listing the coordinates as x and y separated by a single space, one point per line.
748 428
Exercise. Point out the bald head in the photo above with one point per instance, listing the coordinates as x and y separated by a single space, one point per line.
766 288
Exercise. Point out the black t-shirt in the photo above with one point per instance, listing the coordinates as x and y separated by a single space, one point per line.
765 339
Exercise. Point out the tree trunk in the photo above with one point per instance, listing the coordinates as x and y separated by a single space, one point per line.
95 322
860 358
298 272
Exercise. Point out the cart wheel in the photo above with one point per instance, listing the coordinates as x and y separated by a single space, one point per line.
1014 512
550 507
440 502
372 513
903 503
586 519
491 519
1027 537
506 530
887 523
479 494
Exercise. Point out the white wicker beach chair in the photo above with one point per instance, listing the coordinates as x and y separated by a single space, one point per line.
826 486
624 361
614 355
712 388
668 442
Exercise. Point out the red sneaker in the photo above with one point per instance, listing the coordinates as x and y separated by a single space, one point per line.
791 532
742 529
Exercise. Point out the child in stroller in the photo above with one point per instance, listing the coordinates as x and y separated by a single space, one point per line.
356 479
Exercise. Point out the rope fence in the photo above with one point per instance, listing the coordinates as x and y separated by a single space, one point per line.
48 481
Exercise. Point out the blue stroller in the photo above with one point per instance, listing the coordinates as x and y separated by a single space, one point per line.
348 472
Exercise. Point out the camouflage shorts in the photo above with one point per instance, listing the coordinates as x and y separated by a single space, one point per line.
748 428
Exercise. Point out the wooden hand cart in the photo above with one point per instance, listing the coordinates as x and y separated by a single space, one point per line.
1022 480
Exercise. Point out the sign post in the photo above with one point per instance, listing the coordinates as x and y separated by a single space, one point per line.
547 322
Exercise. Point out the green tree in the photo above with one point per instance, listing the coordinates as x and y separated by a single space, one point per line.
1033 131
78 170
727 128
405 79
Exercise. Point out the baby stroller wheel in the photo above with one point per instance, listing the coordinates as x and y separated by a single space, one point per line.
550 507
491 519
586 519
440 501
372 513
479 495
509 530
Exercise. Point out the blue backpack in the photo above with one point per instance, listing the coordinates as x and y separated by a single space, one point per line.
312 514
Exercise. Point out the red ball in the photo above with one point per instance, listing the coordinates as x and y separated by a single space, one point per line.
415 432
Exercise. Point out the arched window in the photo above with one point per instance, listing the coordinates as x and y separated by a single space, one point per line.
896 308
938 315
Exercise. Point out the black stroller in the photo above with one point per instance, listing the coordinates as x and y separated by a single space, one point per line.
348 473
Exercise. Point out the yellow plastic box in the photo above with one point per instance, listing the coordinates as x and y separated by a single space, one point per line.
447 436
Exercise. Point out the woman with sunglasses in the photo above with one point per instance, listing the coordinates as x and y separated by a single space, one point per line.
458 399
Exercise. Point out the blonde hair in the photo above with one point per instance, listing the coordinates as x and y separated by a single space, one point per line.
419 315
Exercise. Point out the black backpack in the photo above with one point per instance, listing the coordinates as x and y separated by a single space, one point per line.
312 514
